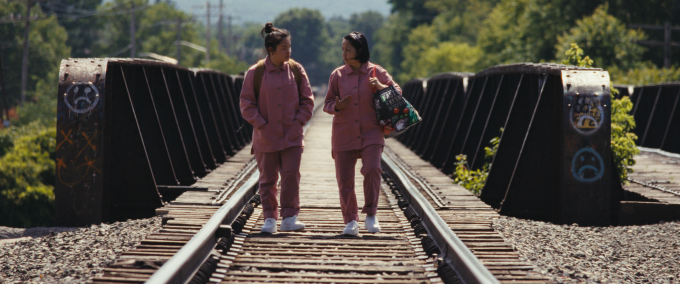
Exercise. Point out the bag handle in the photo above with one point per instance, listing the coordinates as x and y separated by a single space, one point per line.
373 76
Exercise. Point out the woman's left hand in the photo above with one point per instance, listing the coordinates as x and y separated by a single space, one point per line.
376 84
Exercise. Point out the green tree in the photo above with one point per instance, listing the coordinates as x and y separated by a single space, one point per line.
460 20
367 22
310 41
527 30
81 22
389 42
223 62
419 40
651 12
47 46
115 39
158 32
250 45
605 39
27 176
445 57
648 74
414 13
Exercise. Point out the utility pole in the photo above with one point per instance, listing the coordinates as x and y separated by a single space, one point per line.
207 26
4 95
132 32
24 62
220 23
667 44
230 39
229 36
207 33
178 40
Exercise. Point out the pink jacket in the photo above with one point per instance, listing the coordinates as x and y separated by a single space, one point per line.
356 126
279 113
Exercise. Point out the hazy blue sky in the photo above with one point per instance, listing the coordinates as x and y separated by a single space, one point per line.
262 11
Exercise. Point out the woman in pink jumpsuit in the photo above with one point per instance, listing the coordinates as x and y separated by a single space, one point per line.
356 132
277 116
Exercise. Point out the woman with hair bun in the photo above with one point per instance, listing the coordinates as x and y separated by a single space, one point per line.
356 132
277 100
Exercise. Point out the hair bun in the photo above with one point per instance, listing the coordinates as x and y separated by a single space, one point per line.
268 27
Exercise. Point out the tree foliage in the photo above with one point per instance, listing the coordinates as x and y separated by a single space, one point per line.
389 43
27 175
47 46
443 57
367 22
648 74
605 39
82 30
310 40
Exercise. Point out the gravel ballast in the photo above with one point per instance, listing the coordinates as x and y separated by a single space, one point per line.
573 254
75 255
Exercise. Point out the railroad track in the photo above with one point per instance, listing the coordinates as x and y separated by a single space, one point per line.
212 235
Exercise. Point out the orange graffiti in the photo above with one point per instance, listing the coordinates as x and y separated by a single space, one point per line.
89 142
71 168
65 138
89 163
60 163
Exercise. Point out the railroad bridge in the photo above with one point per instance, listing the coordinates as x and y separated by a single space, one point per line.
138 138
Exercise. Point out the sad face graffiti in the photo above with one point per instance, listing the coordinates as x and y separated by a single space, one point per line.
586 114
587 165
81 97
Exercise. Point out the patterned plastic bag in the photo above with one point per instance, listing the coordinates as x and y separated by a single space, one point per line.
394 113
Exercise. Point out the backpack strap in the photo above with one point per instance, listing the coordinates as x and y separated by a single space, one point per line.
296 72
259 73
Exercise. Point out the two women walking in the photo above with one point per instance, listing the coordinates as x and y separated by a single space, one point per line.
277 100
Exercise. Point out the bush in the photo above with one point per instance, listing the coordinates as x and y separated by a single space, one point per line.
474 181
27 176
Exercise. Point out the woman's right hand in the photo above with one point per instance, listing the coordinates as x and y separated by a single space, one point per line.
342 104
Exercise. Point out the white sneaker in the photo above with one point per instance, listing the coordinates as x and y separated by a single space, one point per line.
292 224
351 229
371 224
269 226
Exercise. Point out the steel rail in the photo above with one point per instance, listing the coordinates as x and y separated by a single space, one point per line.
426 187
222 196
182 267
659 151
454 252
184 264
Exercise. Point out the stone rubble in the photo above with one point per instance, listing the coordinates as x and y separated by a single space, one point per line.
70 255
573 254
566 254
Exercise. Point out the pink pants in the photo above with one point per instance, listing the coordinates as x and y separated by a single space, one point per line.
270 164
344 173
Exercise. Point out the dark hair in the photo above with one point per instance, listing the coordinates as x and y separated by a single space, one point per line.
274 36
360 43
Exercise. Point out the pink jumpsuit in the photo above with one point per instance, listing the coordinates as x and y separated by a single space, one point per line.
356 134
277 118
